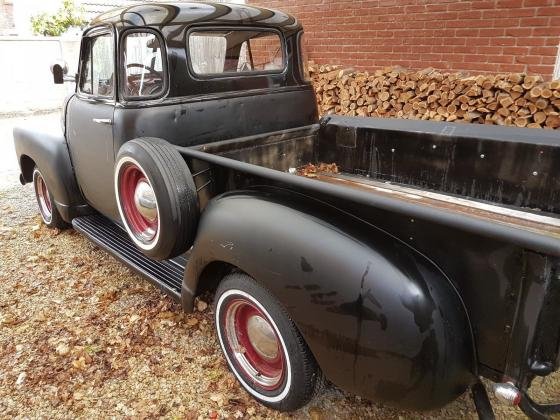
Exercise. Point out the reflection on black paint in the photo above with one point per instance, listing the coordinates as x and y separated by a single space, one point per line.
356 309
421 308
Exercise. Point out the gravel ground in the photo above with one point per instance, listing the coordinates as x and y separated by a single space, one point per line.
82 336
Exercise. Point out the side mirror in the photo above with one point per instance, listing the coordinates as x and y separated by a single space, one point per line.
59 70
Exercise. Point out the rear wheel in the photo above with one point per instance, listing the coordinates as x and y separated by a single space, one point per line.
262 345
47 208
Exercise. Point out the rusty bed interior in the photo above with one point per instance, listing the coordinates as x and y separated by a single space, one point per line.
436 172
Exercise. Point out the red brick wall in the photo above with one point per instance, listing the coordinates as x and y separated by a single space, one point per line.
264 50
472 35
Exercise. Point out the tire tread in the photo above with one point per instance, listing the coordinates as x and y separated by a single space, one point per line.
179 187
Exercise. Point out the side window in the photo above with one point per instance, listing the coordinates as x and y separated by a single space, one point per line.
214 52
97 71
143 65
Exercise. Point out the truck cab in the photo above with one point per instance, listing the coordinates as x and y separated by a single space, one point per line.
234 68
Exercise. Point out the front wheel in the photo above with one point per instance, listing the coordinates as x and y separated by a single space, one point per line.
262 345
49 213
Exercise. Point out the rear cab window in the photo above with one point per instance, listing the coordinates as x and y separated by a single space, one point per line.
230 52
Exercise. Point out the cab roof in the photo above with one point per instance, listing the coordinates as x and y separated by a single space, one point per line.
190 13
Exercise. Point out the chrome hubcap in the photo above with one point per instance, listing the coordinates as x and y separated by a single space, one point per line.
137 203
145 201
262 337
255 344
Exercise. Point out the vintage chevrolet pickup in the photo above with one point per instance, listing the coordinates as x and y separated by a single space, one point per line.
428 258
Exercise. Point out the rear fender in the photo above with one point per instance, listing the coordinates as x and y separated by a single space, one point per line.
382 321
49 152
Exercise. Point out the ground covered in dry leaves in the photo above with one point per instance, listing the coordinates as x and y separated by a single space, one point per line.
82 336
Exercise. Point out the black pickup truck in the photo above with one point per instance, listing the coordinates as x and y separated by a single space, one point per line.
399 260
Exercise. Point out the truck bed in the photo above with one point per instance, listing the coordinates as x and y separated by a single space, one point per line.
482 203
507 176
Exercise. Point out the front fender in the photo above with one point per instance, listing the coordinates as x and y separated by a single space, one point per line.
49 152
382 321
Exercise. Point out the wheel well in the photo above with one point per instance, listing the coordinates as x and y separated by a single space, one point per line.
211 276
27 164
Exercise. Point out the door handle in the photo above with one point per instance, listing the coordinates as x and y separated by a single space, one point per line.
106 121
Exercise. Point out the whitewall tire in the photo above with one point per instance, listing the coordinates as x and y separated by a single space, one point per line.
262 345
47 206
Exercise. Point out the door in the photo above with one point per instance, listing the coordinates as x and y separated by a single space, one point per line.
90 121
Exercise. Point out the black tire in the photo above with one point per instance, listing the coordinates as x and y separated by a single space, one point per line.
301 378
175 194
45 200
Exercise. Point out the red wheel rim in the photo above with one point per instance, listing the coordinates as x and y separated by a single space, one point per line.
43 197
257 350
144 229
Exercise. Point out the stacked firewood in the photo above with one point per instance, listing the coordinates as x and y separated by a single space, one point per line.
504 99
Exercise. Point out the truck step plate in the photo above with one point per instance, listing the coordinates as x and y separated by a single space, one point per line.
167 275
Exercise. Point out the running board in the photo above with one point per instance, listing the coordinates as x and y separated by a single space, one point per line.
167 274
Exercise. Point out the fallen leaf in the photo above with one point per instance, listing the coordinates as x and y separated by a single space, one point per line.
62 349
80 363
201 305
191 322
8 319
21 379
